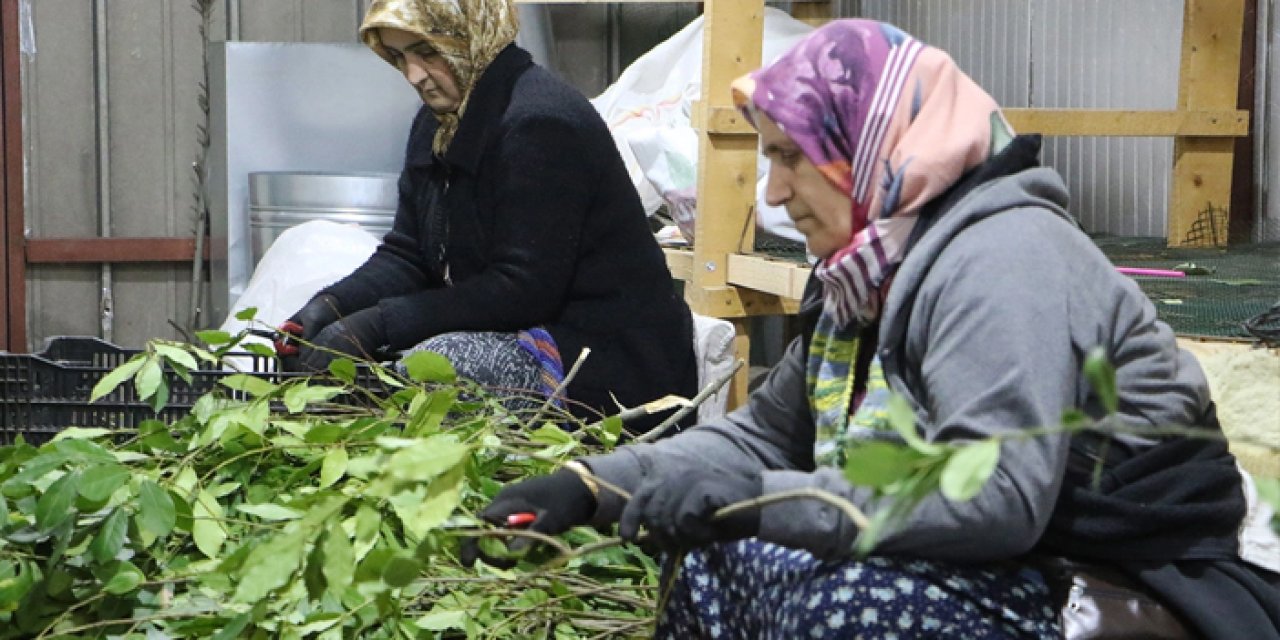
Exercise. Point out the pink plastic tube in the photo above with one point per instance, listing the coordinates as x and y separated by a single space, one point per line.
1155 273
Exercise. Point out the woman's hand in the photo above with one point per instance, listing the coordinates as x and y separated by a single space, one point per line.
558 502
361 334
679 512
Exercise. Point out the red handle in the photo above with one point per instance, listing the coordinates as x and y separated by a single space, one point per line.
283 343
521 519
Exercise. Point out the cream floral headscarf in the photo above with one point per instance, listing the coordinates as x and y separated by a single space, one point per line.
468 33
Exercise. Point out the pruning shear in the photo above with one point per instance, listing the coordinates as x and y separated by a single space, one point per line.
283 339
521 519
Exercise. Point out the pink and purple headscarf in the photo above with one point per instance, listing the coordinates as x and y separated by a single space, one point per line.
889 121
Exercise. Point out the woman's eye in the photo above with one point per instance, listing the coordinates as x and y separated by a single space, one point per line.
789 158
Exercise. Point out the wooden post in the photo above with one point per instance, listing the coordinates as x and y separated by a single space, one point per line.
731 46
1200 201
13 296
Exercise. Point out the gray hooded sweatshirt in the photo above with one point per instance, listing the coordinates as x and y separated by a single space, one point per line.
985 330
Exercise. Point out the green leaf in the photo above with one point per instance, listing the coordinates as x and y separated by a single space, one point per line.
175 355
271 566
324 433
110 538
339 559
86 451
426 459
551 434
206 525
427 366
259 349
444 494
879 464
386 377
252 385
401 570
15 587
343 369
442 619
903 421
297 397
160 398
156 513
212 338
270 511
148 378
183 520
101 480
246 313
234 628
109 382
55 505
969 468
127 577
81 433
367 521
1102 377
334 465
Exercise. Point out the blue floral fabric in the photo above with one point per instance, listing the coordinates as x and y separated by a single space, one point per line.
757 590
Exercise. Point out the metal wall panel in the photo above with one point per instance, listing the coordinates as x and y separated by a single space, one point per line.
1071 54
1268 111
300 20
61 157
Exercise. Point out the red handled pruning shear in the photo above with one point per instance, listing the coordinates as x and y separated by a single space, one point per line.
521 519
283 339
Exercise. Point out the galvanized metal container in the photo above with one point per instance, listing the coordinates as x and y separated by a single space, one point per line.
282 199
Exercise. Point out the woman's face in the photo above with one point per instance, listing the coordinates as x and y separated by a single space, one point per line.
820 211
424 68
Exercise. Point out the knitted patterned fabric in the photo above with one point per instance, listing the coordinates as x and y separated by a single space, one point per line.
840 418
543 347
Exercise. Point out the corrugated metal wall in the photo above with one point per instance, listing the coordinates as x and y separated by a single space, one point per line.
1071 54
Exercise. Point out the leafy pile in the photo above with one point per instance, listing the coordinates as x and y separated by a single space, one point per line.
300 508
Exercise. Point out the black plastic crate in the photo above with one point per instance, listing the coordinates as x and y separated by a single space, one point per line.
45 392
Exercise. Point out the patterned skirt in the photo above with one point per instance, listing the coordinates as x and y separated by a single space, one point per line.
751 589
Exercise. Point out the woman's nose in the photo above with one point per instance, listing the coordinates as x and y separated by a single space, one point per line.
414 71
777 190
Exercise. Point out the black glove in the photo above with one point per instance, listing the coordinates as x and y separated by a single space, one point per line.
678 512
314 316
361 334
559 502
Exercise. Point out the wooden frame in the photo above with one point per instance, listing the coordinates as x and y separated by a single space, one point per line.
13 334
723 279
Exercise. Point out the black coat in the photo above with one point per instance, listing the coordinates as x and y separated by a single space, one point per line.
530 219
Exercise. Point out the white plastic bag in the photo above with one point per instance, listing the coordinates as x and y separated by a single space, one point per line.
648 111
302 261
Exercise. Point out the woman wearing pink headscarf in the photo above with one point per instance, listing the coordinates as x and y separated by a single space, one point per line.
951 275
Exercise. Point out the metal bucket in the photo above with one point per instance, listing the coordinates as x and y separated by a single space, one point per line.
281 199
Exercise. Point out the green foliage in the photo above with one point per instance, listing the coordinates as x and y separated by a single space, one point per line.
297 509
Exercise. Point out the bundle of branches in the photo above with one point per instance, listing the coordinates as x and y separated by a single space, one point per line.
308 508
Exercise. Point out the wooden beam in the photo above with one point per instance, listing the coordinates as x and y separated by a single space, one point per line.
731 45
13 275
781 278
679 262
1200 202
1225 123
99 250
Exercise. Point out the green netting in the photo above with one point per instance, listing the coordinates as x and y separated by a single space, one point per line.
1226 287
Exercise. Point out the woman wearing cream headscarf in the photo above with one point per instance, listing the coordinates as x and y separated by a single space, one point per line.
519 240
952 276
